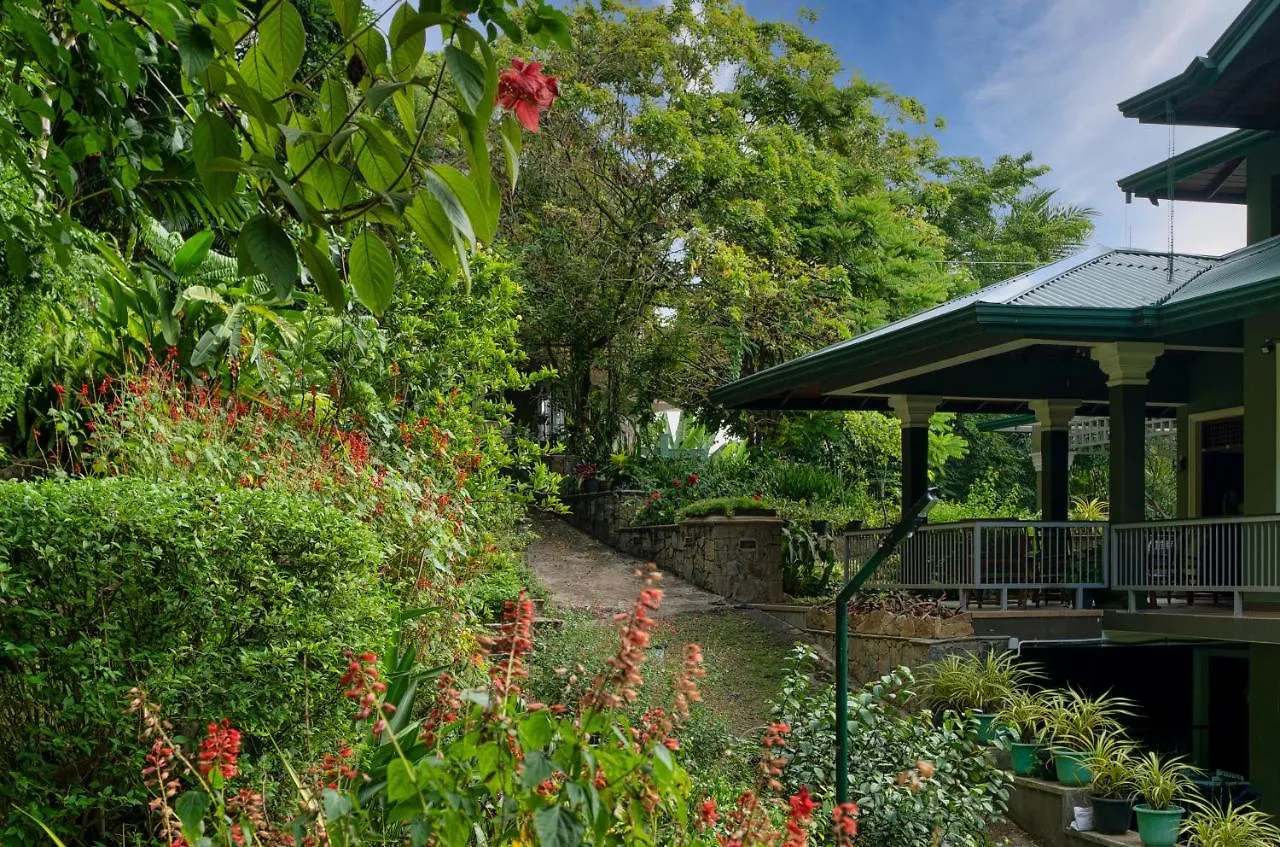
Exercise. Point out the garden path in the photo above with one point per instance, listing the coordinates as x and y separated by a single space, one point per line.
586 575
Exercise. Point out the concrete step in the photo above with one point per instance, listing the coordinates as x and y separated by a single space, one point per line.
1045 811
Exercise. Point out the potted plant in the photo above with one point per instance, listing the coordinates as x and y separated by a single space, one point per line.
1023 720
967 683
1074 721
1110 760
588 478
1233 826
1160 782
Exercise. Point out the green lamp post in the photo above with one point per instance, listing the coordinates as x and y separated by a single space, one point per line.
901 531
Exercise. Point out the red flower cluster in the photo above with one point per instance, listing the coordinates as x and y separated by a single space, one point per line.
221 750
158 773
693 479
619 683
799 819
362 684
844 819
707 814
336 767
515 639
526 91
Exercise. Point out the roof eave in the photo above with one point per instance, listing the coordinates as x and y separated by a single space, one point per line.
1152 105
1153 181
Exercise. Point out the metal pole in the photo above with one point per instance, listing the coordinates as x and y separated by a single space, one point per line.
904 528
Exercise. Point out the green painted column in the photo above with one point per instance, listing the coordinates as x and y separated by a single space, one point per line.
1127 364
914 413
1264 717
1261 479
1054 446
1128 409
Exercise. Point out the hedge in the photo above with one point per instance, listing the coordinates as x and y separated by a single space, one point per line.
234 603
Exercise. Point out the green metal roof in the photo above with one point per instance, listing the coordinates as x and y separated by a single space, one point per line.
1099 296
1214 172
1235 84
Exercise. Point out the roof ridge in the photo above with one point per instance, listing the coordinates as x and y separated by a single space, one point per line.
1223 261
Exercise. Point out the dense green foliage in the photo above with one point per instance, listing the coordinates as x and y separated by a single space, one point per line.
960 793
198 595
711 197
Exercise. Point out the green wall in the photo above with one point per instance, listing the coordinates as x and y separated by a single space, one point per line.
1260 426
1263 164
1264 724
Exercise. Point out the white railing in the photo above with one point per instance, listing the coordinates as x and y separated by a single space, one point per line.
1218 555
979 557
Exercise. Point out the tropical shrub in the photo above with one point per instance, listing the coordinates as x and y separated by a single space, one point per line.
228 602
483 764
917 778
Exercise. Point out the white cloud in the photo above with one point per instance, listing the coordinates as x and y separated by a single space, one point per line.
1051 75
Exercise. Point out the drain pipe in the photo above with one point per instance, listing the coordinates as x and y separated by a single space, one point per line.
901 532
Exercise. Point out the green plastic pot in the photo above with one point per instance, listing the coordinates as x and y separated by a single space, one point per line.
986 727
1025 758
1071 769
1159 827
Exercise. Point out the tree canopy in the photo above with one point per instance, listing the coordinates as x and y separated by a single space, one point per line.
716 194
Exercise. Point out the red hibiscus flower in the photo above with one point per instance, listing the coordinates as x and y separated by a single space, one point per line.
526 91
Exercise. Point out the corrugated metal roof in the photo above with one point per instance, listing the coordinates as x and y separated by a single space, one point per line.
1121 279
1256 264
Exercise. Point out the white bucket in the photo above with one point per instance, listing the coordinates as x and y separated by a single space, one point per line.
1084 819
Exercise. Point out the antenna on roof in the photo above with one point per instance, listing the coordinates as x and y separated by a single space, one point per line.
1168 113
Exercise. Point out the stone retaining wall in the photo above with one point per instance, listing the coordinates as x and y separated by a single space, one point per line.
880 641
739 557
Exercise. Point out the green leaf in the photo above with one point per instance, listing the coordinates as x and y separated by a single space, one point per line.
408 40
335 185
512 141
371 272
430 223
213 138
260 75
467 75
195 48
536 730
200 294
378 156
537 768
323 273
457 196
336 806
402 782
347 14
333 105
371 47
282 38
557 827
193 252
191 807
377 94
271 252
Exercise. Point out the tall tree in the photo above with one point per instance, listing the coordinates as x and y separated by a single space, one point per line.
717 194
710 199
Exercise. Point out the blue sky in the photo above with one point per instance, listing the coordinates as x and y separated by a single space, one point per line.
1043 76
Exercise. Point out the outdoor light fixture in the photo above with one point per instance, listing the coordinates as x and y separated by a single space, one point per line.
1268 346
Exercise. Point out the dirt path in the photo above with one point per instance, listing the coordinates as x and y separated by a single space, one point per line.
585 575
744 649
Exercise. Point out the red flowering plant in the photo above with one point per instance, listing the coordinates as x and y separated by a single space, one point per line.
526 92
448 765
